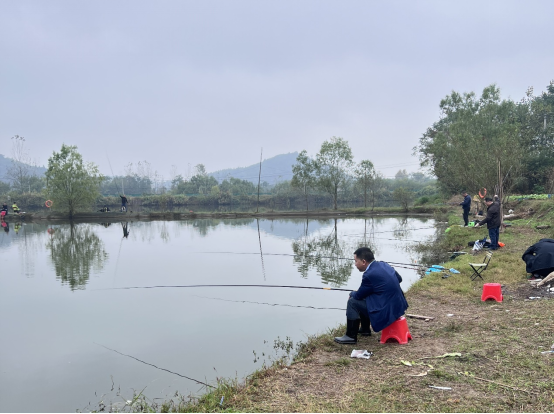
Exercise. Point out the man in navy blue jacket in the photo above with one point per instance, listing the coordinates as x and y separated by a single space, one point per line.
466 206
379 300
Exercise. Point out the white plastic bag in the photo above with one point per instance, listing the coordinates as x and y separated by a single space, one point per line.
360 354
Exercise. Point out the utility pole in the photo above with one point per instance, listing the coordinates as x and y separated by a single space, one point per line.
259 178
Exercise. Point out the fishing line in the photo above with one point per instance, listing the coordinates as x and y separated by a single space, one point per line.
265 303
152 365
117 261
388 231
311 257
111 169
383 238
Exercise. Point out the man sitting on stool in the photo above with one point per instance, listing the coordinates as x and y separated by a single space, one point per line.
378 300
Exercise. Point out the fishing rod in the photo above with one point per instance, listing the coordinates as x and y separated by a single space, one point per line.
201 286
312 257
113 175
152 365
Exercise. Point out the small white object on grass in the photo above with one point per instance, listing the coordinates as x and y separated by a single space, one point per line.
361 354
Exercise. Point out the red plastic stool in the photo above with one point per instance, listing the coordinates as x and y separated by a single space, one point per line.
492 291
397 330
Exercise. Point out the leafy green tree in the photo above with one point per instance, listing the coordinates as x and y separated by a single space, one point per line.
403 196
237 186
536 114
178 180
303 174
365 176
401 174
333 165
474 136
376 188
200 183
71 183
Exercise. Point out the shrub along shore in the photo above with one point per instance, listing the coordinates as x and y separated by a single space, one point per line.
500 367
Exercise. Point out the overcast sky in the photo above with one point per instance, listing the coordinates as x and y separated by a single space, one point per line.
212 82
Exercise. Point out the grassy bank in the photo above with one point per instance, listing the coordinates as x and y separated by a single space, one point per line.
501 368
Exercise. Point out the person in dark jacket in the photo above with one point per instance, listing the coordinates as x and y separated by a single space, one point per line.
379 300
123 202
4 211
493 222
466 206
539 258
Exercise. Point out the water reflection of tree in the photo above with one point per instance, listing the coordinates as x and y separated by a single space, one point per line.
328 255
204 226
75 250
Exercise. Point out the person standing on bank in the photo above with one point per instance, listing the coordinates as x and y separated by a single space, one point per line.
493 222
466 206
123 202
379 300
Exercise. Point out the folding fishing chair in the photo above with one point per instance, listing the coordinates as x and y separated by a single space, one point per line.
479 268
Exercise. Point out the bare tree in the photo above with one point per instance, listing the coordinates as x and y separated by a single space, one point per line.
20 172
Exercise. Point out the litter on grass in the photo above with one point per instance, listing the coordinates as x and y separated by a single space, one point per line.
441 269
449 354
361 354
440 388
413 363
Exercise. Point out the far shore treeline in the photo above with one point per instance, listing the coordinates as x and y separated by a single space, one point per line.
477 142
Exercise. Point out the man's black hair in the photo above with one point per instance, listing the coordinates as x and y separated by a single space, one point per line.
488 199
365 253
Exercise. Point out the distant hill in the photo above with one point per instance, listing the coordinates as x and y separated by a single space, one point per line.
278 168
6 163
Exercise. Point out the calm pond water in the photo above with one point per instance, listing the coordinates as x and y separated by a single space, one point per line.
60 311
